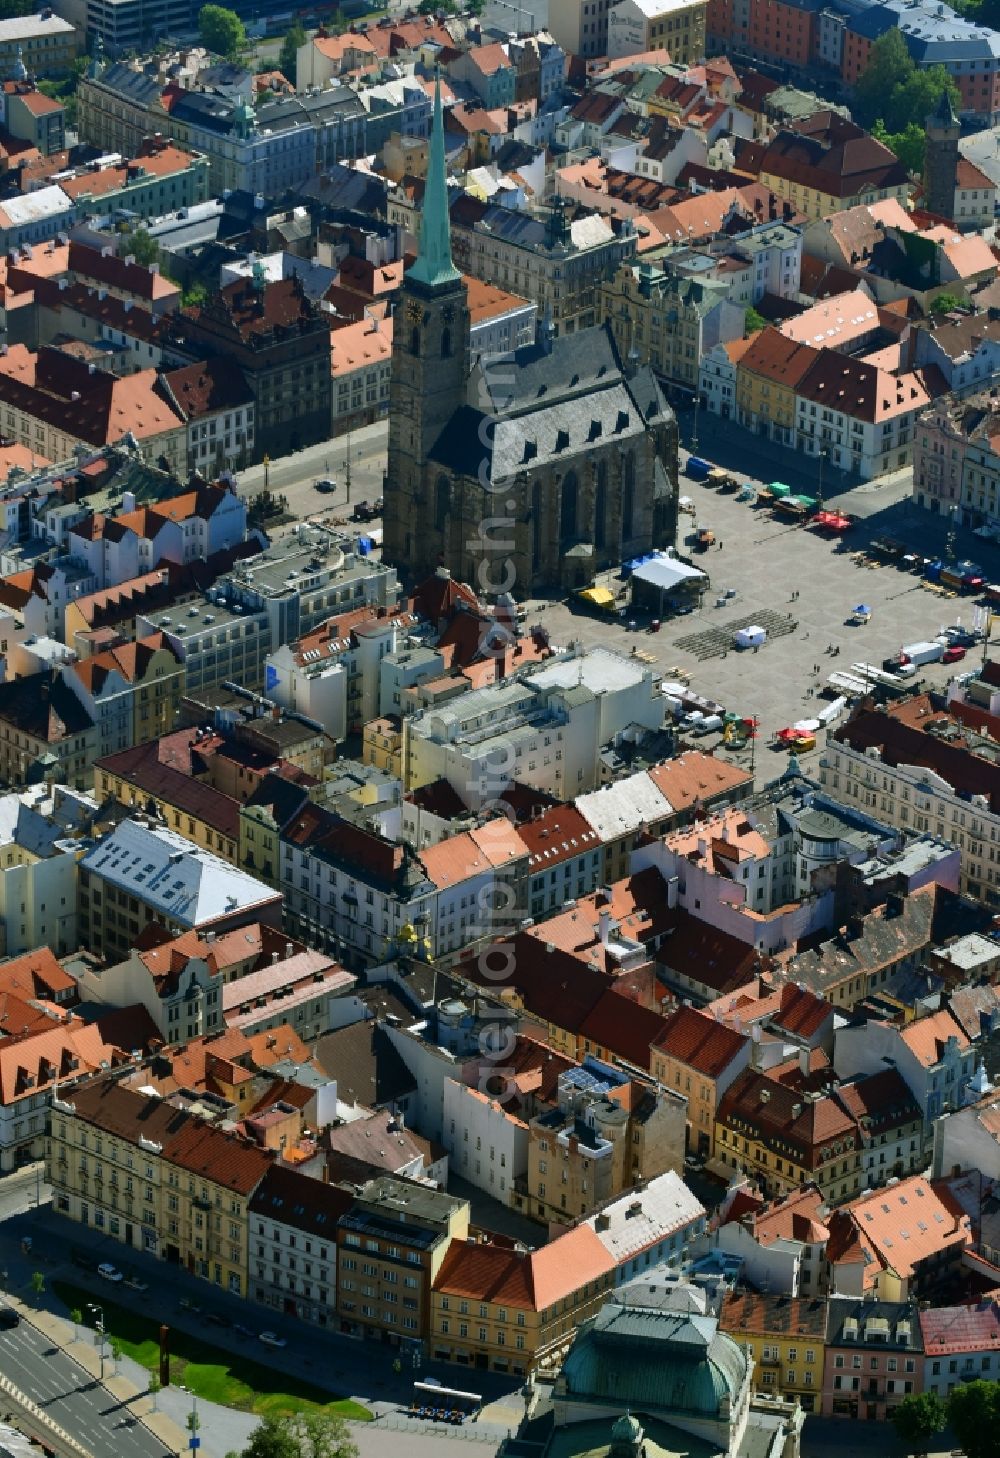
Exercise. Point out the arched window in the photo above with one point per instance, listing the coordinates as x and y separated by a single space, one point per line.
415 340
601 506
445 343
442 503
568 507
628 495
536 524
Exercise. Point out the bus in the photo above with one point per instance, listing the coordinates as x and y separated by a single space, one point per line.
446 1404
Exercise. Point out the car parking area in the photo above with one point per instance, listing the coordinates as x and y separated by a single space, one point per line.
802 586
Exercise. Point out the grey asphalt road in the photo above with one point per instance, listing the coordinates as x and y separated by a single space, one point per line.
295 475
69 1395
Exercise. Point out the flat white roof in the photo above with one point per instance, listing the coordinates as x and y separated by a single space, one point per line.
34 207
598 669
24 27
624 806
189 885
642 1218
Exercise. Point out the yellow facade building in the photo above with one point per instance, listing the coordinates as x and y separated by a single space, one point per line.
786 1336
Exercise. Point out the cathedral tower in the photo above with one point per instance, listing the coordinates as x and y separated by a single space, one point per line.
430 370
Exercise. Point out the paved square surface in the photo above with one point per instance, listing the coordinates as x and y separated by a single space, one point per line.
766 559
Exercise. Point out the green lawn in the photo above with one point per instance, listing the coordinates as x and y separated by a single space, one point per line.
232 1380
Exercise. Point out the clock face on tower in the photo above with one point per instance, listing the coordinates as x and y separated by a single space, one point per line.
414 312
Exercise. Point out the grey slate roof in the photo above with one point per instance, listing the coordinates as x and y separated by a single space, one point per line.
543 405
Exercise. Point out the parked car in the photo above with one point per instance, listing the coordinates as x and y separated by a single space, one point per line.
9 1318
216 1318
108 1272
325 486
365 511
241 1330
134 1284
953 654
272 1339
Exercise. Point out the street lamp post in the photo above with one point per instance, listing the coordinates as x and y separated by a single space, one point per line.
819 488
101 1327
694 428
193 1424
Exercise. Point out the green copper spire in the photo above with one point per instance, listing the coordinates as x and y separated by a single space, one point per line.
433 266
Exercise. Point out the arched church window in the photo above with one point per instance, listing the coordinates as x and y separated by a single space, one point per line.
601 506
445 343
568 507
442 502
628 494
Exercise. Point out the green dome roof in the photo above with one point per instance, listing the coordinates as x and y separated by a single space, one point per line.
656 1361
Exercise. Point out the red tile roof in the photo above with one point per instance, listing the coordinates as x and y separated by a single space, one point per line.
700 1041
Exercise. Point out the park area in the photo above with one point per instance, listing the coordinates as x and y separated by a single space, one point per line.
208 1371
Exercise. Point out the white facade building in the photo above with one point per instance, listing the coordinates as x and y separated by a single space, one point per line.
486 1145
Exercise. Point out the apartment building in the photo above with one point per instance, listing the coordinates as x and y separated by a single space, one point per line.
653 1226
47 1049
391 1246
509 1310
787 1137
104 1162
960 1344
826 163
557 262
565 858
42 832
42 721
672 321
781 1244
605 1134
44 44
932 1055
909 764
132 692
142 873
544 729
487 1143
33 117
216 404
52 402
360 363
699 1058
293 1244
209 1180
786 1337
675 26
159 178
269 599
873 1357
897 1243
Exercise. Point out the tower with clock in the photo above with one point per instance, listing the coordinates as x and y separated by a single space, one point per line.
430 367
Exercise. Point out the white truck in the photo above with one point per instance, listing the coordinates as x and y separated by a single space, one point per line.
927 652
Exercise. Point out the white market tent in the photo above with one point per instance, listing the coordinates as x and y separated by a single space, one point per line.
751 636
666 573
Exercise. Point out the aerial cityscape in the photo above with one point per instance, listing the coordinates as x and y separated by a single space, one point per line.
500 729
